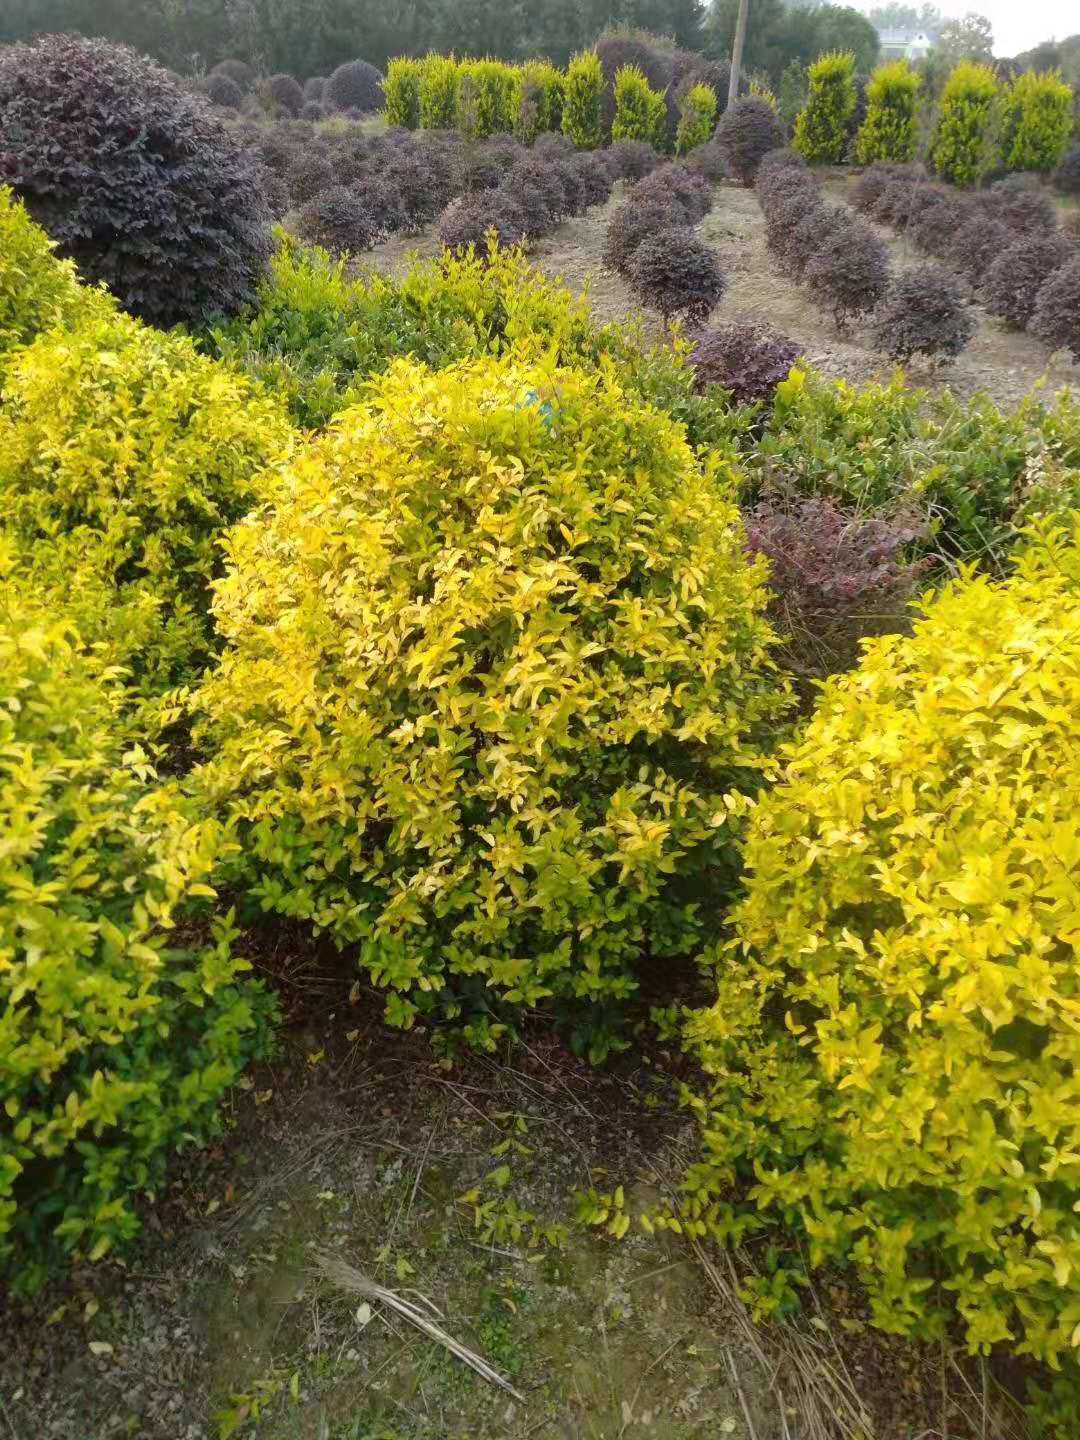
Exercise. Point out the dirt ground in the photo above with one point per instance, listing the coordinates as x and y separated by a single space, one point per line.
455 1186
1004 364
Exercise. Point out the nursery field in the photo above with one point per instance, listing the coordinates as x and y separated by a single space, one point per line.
539 751
1005 364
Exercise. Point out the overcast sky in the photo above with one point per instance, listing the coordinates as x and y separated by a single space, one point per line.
1018 24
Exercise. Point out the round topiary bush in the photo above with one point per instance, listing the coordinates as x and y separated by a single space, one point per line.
631 159
470 221
747 360
421 182
849 273
808 233
630 224
924 314
126 1015
893 1055
315 88
223 92
341 221
1020 202
676 273
536 188
872 183
356 85
1066 177
977 244
313 111
783 184
241 74
745 133
309 176
123 440
592 175
1015 278
489 668
708 160
690 193
282 94
138 181
934 229
1056 317
485 166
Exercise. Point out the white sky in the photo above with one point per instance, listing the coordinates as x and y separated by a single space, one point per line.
1018 24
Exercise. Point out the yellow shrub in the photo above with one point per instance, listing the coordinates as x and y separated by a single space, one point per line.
116 1042
490 665
37 291
895 1046
124 450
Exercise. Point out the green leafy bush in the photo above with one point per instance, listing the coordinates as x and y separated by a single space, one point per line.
486 737
539 101
583 91
487 98
37 291
697 118
401 89
1038 122
124 444
965 465
962 148
640 111
438 92
316 335
118 1040
893 1055
138 181
889 134
822 127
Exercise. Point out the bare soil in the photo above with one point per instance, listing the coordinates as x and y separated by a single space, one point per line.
1002 363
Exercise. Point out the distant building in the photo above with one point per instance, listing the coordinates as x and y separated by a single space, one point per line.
903 45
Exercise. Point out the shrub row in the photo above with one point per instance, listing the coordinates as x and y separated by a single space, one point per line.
1004 240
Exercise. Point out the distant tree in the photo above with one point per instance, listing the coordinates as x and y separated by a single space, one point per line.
971 38
842 28
776 35
926 19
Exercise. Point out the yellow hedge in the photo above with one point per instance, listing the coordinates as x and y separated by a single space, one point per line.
123 452
895 1046
489 666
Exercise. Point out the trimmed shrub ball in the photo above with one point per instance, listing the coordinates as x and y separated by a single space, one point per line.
1056 318
240 73
629 226
849 274
630 159
810 233
934 230
310 176
313 111
356 85
1021 202
708 160
593 177
781 185
676 273
277 150
341 221
315 87
783 215
745 133
1015 278
154 196
467 222
222 91
978 243
782 158
485 166
538 189
690 194
870 186
550 142
385 203
282 93
924 314
422 183
1066 177
749 361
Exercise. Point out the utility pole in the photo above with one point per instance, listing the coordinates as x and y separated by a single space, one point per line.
736 52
